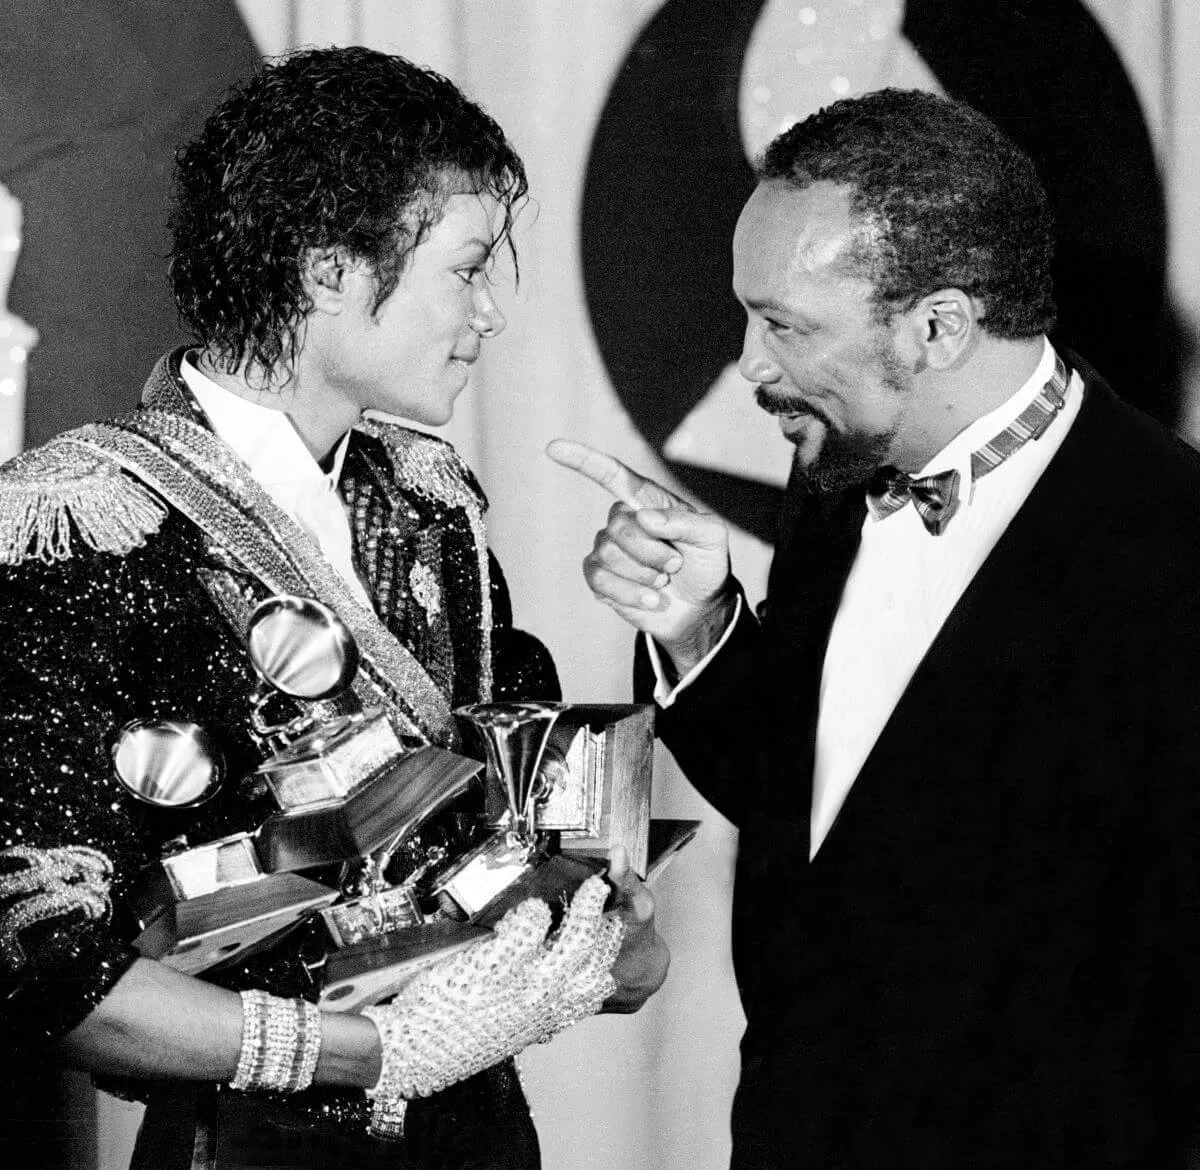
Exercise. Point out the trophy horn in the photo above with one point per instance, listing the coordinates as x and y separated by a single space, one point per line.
169 763
514 737
301 648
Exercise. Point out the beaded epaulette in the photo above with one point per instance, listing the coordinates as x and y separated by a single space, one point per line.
40 885
63 490
429 466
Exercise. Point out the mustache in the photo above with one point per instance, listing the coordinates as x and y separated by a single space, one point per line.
776 402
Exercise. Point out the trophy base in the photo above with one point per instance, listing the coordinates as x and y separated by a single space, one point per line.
367 973
378 815
197 934
555 879
666 839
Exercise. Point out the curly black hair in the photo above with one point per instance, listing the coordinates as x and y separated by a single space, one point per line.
943 200
324 148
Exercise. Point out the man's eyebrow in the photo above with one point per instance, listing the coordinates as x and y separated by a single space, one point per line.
770 305
485 246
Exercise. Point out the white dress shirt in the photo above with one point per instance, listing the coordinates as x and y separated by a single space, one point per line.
269 445
902 586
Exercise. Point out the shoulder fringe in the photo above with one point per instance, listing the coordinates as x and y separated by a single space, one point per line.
428 464
46 491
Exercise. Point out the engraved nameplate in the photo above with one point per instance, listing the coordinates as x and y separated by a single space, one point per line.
331 761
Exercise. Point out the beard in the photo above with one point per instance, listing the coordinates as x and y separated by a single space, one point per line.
844 459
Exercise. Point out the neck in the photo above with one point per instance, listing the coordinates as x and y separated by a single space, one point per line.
952 399
319 418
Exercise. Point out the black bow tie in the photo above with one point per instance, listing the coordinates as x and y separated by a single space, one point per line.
935 497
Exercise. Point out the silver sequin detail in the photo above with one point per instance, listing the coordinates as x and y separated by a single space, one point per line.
201 477
432 468
51 884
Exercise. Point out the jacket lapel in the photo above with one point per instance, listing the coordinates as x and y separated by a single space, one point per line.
999 629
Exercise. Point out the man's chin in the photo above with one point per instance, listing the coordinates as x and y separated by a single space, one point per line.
833 466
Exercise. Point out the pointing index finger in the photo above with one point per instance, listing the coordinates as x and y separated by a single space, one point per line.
633 490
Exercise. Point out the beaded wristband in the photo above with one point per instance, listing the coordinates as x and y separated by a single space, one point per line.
249 1058
282 1038
281 1043
309 1050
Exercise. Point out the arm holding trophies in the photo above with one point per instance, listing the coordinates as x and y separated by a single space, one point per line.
65 900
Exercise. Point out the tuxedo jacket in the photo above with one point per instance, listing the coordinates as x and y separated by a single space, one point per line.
992 960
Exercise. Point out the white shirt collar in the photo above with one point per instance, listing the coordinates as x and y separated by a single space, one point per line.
262 436
956 455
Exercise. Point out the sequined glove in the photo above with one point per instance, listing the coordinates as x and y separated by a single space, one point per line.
494 999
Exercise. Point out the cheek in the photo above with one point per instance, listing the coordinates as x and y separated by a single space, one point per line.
839 367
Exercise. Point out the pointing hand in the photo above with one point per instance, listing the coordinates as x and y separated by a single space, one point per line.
661 564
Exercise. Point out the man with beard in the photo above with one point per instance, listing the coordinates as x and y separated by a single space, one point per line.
961 745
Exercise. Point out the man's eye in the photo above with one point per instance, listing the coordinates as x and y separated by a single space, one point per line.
476 272
776 326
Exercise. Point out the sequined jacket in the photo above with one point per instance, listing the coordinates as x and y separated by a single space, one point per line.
131 553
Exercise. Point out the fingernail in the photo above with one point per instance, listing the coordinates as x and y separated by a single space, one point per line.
652 516
674 564
649 600
661 580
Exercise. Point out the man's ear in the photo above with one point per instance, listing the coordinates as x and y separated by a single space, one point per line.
326 278
944 327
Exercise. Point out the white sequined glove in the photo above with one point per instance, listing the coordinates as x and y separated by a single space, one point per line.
494 999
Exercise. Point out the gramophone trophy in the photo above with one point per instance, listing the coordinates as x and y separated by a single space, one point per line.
514 862
346 787
347 791
563 783
202 907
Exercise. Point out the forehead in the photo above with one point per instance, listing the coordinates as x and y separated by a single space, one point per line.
785 234
466 216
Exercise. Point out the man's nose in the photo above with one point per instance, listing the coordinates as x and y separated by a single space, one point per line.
755 364
486 318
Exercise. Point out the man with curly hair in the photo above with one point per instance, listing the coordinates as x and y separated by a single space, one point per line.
960 741
334 227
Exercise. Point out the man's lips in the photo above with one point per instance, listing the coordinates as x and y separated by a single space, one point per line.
786 409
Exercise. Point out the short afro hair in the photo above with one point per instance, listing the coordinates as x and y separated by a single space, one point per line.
325 148
943 198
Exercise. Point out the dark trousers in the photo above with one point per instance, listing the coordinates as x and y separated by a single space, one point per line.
480 1124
